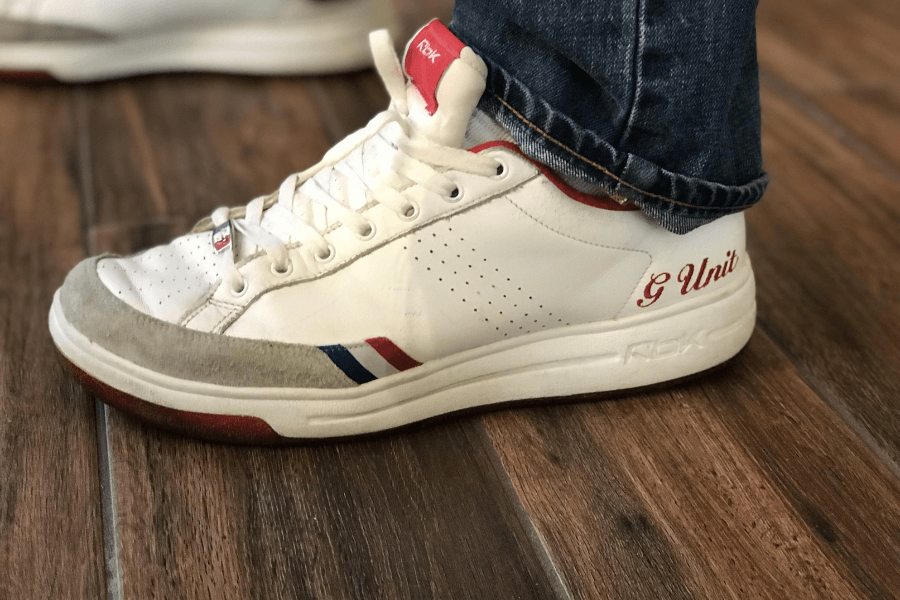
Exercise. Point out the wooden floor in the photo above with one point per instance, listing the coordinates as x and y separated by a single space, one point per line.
774 477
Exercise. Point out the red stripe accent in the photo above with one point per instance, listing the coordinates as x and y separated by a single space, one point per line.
602 202
390 352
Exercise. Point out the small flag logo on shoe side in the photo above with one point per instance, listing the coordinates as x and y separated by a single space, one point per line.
373 359
221 237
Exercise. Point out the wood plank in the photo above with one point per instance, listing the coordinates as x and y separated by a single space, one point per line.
861 101
419 515
50 525
826 253
854 41
841 490
871 115
598 529
780 56
864 117
743 484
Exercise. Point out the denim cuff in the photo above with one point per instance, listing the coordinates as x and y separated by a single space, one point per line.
677 202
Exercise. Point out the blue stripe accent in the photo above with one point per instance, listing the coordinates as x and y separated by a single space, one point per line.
347 363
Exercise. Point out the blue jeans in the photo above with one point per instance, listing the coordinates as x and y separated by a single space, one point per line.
656 101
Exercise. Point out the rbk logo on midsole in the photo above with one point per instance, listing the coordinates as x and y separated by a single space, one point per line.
651 350
690 277
425 48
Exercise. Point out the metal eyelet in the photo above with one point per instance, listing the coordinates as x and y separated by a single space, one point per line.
368 234
456 195
328 257
287 270
411 213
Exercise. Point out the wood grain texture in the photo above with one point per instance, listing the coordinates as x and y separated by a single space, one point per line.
850 41
846 73
845 495
826 255
419 515
871 114
827 248
422 515
50 531
743 484
865 113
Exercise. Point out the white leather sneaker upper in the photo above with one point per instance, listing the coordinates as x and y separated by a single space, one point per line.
163 281
401 235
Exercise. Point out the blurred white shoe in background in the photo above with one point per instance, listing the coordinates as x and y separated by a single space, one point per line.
85 40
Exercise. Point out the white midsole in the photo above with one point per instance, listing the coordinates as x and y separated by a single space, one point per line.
323 45
593 357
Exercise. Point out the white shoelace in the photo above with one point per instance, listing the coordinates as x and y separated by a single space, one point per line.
303 204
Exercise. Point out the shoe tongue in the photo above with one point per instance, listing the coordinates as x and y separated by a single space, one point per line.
446 81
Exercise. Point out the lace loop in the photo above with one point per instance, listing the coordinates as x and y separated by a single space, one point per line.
374 165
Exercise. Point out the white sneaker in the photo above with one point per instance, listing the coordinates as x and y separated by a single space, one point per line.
400 279
75 40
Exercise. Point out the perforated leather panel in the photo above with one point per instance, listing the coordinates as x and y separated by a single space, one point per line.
166 281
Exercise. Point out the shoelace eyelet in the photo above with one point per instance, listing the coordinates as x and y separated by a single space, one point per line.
502 170
328 257
456 195
244 287
368 234
410 213
283 272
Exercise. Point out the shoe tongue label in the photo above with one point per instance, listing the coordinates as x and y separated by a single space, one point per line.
429 54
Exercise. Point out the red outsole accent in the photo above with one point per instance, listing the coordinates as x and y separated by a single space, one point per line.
29 76
601 202
220 428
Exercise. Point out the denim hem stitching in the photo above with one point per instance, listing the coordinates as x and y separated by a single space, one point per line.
635 72
603 169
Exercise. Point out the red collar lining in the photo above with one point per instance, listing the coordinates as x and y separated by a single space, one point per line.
601 202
